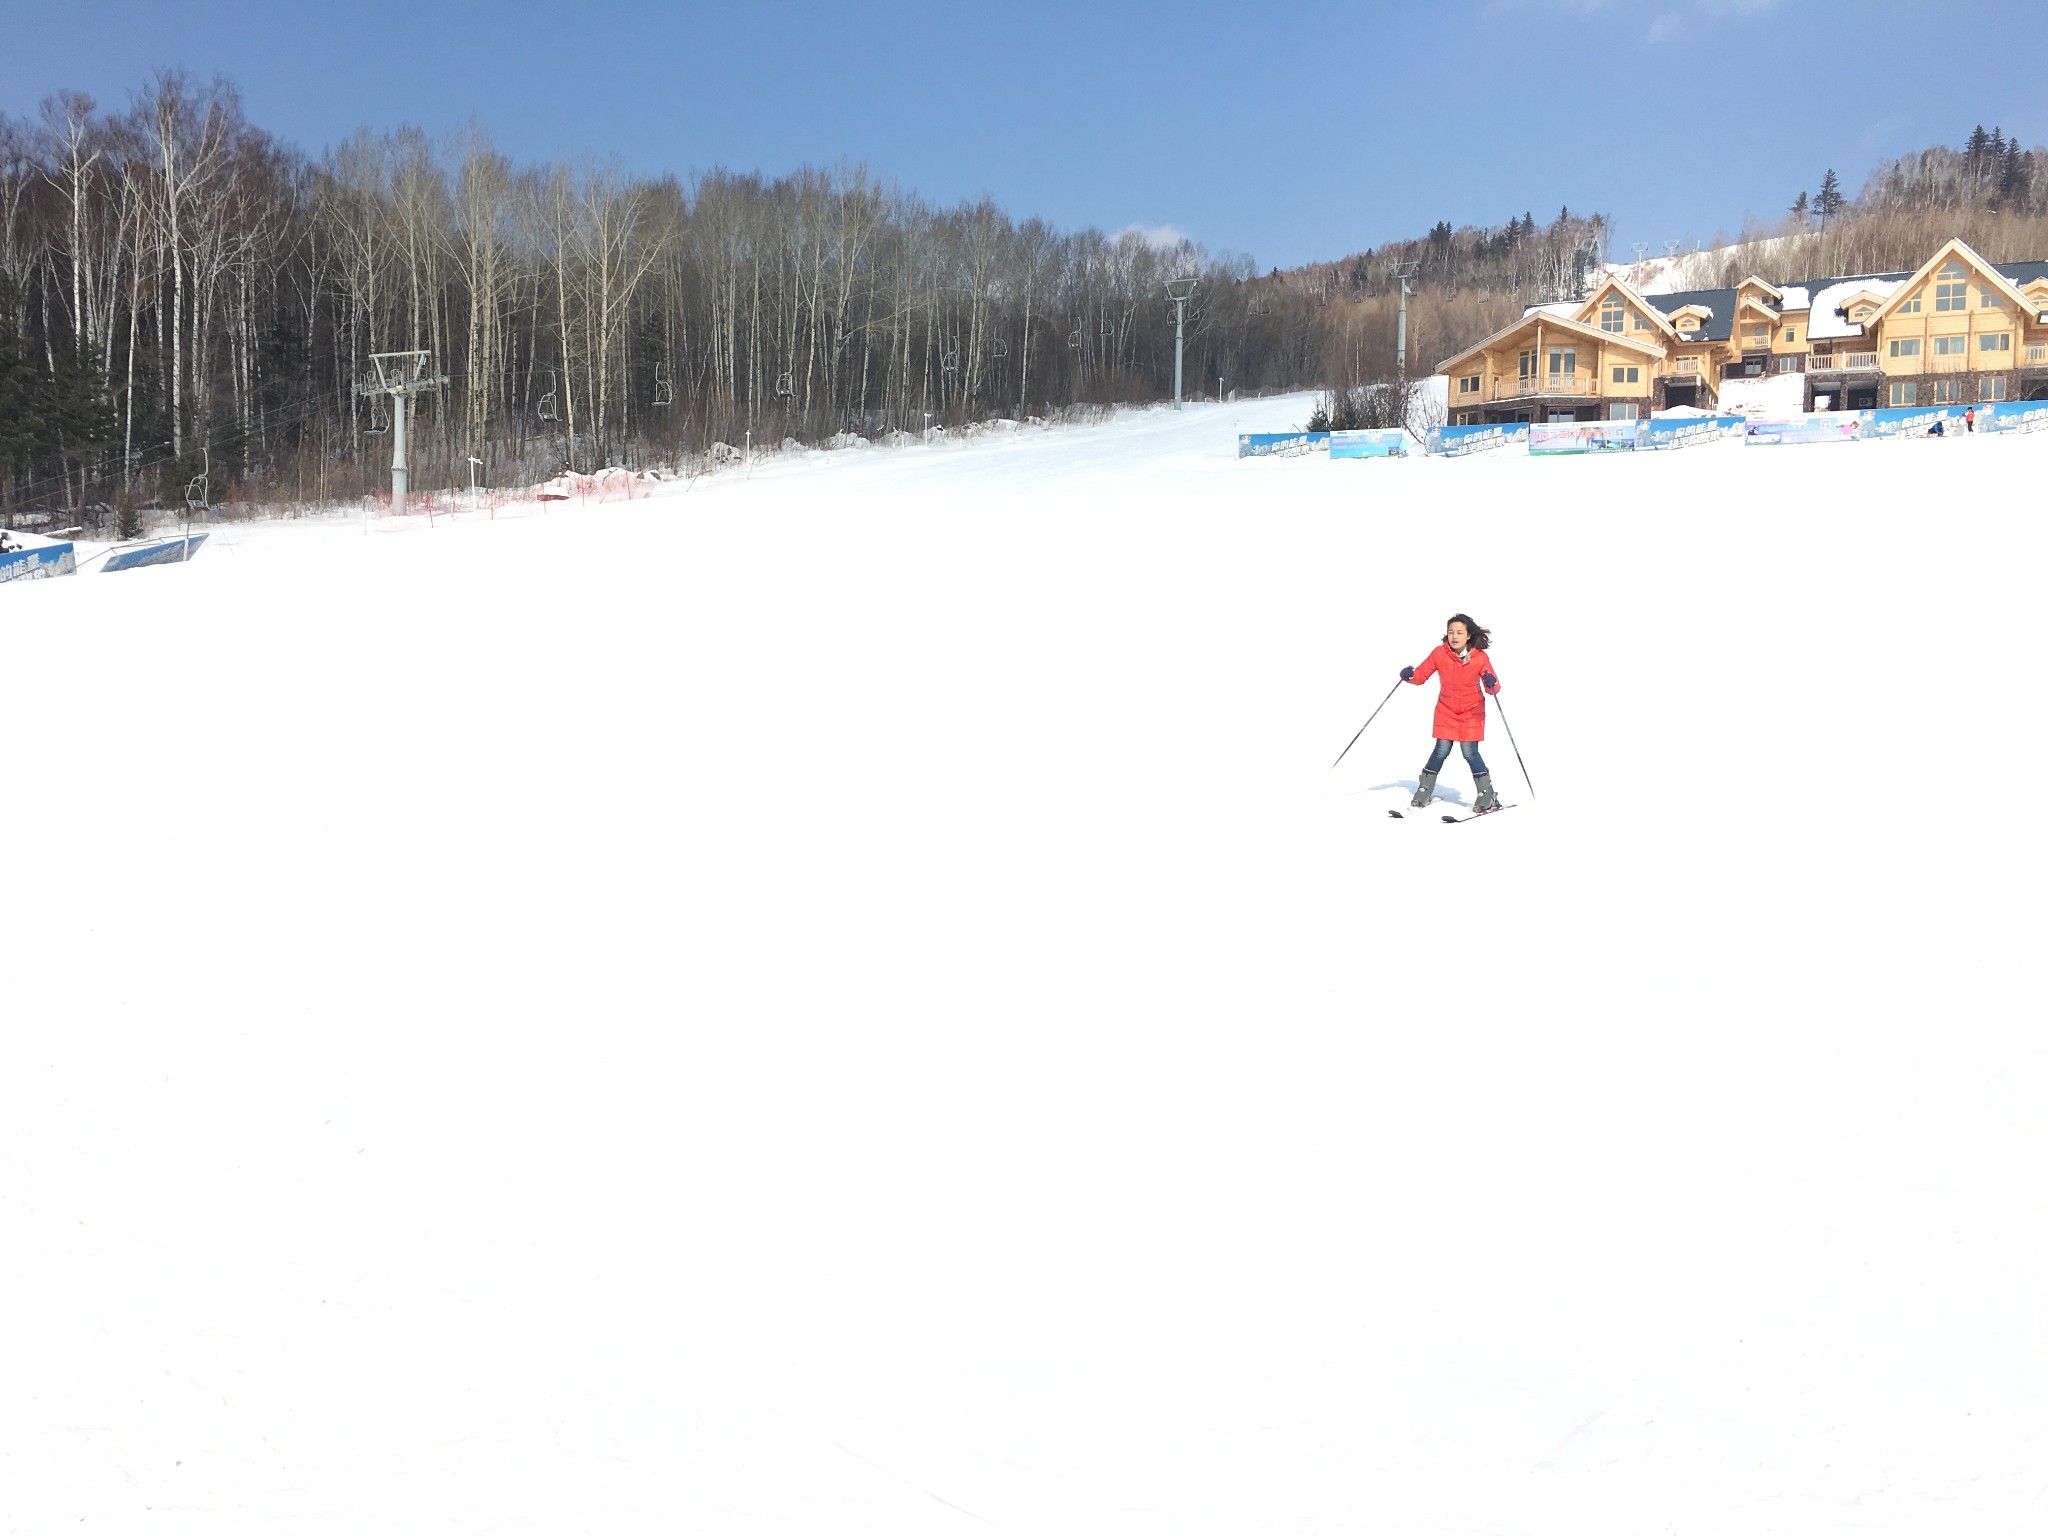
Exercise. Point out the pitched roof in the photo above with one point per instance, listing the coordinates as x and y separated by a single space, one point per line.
1953 249
1719 303
1613 280
1550 322
1831 294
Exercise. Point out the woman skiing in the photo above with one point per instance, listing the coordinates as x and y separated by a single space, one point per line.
1462 669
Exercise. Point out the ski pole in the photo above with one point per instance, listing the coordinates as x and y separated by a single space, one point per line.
1368 721
1511 742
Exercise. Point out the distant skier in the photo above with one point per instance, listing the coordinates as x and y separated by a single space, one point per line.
1970 419
1462 669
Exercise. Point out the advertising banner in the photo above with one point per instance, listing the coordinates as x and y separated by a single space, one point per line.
162 552
1687 431
1813 427
1581 436
36 564
2013 416
1456 442
1914 421
1280 445
1372 443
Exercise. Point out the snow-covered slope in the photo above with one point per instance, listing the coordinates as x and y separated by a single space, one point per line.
1687 270
847 998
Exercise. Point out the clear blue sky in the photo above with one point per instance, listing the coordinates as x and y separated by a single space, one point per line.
1287 133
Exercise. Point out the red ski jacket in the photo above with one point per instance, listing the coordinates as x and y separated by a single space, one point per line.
1460 703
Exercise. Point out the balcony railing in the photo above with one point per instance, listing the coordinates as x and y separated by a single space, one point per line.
1842 362
1686 365
2037 352
1553 384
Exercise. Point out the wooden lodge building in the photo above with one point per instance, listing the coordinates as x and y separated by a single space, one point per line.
1960 331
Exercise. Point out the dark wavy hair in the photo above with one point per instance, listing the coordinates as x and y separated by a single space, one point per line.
1480 640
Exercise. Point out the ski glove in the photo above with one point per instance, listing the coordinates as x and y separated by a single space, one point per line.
1489 682
1407 674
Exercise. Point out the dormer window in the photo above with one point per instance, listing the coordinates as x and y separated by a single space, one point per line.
1610 316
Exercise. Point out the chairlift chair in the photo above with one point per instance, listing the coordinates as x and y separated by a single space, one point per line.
949 362
378 425
784 386
1000 351
544 408
196 502
1074 340
664 387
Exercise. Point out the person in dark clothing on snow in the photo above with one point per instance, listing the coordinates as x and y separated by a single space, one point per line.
1461 668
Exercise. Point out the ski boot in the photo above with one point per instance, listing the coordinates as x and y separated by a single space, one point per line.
1488 800
1425 791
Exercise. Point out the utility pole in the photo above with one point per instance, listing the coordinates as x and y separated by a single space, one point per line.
400 375
1400 272
1178 291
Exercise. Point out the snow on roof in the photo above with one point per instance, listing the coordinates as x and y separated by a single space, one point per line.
1796 298
1567 309
1824 324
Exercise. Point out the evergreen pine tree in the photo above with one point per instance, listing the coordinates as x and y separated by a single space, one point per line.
1828 201
21 395
2015 177
79 416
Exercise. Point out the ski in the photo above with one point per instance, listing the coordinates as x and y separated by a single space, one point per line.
1454 820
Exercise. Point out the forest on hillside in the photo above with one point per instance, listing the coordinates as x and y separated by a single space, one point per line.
183 295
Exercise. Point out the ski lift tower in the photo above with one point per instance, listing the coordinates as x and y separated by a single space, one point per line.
401 375
1400 272
1178 291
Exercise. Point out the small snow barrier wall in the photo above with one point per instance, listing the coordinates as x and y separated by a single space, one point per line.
1280 445
1456 442
1815 427
37 564
1373 443
1582 437
1912 421
163 552
1662 432
2013 416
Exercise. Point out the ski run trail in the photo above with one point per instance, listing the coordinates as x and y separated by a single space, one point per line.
846 997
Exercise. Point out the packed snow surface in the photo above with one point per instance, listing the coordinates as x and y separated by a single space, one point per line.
845 996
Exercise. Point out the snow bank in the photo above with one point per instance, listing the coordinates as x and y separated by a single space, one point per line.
1779 394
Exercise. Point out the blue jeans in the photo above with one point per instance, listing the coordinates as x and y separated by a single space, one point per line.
1472 758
